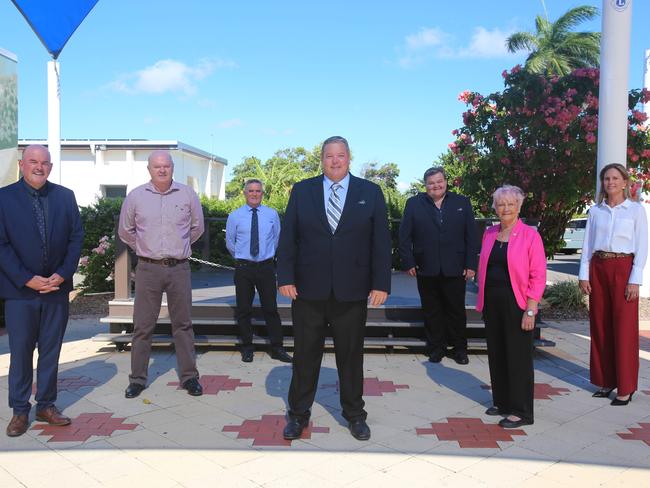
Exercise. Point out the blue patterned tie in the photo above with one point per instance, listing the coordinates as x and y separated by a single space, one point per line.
39 212
255 234
334 207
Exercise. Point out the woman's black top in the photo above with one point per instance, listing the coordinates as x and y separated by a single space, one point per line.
497 268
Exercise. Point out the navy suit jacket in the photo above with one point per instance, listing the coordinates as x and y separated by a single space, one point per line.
436 249
20 241
350 262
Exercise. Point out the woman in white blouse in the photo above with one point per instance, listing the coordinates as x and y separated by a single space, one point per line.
613 256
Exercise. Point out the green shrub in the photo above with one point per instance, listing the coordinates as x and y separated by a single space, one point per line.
565 295
97 267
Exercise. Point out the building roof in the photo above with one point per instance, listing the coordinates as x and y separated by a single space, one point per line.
106 144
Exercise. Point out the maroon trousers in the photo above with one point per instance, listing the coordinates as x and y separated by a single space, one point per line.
614 324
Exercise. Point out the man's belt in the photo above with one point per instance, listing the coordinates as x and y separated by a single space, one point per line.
612 255
246 262
162 262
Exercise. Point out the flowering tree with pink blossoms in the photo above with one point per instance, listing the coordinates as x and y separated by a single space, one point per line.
540 133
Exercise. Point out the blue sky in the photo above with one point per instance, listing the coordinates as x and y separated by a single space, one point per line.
248 78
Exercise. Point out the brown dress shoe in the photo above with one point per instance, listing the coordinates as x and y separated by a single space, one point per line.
52 416
18 425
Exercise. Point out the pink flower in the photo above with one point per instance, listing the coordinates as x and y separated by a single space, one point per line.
590 137
465 96
84 261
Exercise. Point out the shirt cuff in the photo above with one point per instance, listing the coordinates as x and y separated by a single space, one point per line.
636 276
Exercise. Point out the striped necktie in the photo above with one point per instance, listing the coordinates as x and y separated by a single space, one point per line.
334 207
255 235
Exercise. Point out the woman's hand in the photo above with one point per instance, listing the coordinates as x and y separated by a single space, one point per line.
631 292
585 287
527 323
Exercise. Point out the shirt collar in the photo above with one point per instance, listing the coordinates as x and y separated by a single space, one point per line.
173 187
625 204
345 182
42 191
250 209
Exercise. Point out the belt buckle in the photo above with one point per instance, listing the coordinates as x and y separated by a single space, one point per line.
166 262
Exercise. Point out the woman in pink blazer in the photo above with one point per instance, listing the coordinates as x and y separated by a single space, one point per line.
511 281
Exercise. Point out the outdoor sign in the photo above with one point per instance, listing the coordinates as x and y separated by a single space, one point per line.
8 118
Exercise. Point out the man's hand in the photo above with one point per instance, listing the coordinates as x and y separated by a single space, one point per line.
585 286
53 283
412 271
377 297
631 292
37 283
288 291
469 274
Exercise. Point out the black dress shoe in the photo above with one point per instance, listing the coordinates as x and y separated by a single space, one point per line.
493 411
513 424
460 356
247 355
133 390
280 354
621 403
436 356
603 393
293 429
359 429
193 387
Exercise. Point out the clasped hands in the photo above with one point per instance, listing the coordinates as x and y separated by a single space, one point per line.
44 285
376 297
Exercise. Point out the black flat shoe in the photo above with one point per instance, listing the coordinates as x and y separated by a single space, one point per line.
460 356
133 390
193 387
436 356
280 354
247 355
513 424
621 403
603 393
293 429
493 411
359 430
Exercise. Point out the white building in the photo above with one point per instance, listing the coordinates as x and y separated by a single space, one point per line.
95 168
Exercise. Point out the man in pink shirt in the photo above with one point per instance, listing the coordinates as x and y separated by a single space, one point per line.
160 220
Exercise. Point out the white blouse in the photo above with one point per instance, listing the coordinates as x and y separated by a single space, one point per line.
623 228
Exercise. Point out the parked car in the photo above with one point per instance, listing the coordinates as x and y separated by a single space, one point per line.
574 236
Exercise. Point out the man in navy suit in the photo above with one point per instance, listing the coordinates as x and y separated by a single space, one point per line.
40 244
334 257
438 245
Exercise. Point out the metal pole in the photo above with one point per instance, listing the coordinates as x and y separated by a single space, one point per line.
54 119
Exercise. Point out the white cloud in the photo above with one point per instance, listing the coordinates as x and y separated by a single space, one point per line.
167 76
230 123
432 42
277 132
403 186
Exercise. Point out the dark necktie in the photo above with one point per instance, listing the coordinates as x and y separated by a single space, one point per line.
255 235
39 212
334 207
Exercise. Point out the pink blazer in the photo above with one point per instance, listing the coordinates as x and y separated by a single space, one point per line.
526 263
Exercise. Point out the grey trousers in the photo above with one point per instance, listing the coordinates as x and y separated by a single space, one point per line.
151 280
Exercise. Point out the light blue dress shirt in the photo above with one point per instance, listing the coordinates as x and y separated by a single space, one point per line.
342 192
238 232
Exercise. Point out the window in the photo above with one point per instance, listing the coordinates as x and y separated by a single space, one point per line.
114 191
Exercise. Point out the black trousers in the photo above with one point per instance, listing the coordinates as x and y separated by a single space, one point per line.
248 278
443 306
347 321
510 353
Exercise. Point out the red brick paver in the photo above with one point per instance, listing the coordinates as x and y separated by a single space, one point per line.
213 384
72 383
640 434
84 426
268 430
374 387
470 432
543 391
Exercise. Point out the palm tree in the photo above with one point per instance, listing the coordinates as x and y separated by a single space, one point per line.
556 50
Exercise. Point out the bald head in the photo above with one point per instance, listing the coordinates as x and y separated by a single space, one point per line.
35 166
161 169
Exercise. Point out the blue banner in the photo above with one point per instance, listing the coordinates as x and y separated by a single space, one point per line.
54 21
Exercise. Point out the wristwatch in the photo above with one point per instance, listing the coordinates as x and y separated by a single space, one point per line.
530 313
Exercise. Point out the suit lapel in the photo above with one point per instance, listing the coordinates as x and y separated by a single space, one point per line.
354 192
318 195
26 205
51 217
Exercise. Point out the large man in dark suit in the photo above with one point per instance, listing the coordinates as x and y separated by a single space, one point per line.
438 244
40 244
334 257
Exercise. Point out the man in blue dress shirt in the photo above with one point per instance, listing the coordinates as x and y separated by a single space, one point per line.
252 234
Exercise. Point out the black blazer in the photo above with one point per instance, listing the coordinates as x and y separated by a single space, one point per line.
436 249
350 262
20 241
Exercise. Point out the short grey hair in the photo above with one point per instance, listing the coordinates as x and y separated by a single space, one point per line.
334 140
253 181
434 171
508 192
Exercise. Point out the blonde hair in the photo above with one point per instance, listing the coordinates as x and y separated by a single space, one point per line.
508 192
602 194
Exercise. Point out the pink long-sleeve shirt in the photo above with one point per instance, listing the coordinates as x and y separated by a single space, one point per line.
526 263
161 225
